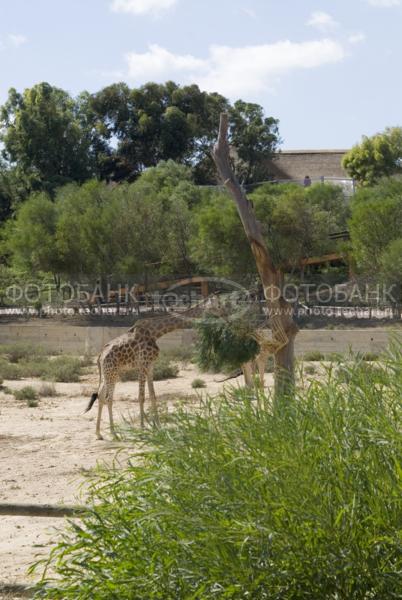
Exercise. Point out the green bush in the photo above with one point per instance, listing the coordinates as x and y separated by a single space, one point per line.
28 394
310 369
225 344
198 384
67 369
181 353
314 356
239 499
21 351
163 369
33 368
61 368
370 356
10 370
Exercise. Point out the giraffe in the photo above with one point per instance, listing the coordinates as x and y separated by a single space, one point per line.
268 347
137 349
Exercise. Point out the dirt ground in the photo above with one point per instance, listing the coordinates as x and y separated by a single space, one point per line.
46 452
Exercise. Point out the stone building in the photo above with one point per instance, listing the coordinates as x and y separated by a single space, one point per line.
294 165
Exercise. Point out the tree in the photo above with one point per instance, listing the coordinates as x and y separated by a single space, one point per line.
42 133
284 329
376 221
391 267
31 237
375 157
255 139
15 187
296 224
160 122
98 232
218 244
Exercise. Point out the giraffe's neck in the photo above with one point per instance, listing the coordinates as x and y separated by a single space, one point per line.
159 326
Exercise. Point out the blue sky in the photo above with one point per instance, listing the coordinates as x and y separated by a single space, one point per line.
329 70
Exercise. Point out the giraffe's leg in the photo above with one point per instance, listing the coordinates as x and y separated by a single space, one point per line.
152 394
248 374
261 363
101 400
109 396
141 397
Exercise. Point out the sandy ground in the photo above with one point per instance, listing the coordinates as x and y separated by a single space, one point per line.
46 451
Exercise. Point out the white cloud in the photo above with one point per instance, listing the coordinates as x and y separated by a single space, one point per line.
384 3
142 7
243 71
322 21
356 38
16 39
159 63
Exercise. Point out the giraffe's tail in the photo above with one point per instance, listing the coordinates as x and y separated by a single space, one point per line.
231 376
92 401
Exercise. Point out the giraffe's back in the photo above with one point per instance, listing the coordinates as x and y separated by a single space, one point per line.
127 352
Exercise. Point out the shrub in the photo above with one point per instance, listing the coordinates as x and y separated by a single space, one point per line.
21 351
27 393
310 369
242 500
370 356
225 344
10 370
198 384
163 369
314 356
48 390
33 368
181 353
67 369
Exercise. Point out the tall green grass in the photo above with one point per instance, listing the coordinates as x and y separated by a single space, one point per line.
240 500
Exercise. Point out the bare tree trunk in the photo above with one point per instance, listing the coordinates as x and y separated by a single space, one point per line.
269 274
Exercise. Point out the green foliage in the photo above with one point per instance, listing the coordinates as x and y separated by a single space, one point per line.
225 344
314 356
198 384
310 369
164 369
21 351
235 500
22 360
391 266
218 243
375 225
255 138
67 369
179 354
296 224
93 230
31 238
28 394
42 132
9 370
15 186
61 368
118 132
375 157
